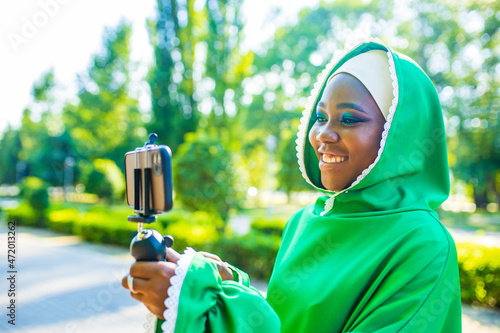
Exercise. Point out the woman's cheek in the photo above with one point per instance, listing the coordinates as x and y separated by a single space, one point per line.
312 136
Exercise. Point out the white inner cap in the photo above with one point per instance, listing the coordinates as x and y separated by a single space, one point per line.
372 69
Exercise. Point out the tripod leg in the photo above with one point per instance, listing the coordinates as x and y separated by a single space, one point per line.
147 189
137 189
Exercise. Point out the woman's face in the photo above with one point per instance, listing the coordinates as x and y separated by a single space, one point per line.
347 132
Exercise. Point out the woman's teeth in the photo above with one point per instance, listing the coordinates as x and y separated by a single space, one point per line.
333 159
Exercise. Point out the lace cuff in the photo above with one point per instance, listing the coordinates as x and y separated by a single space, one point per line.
176 281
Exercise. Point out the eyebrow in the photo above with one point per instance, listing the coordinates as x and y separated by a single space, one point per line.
350 106
345 106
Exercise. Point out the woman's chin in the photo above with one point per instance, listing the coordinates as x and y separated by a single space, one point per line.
333 186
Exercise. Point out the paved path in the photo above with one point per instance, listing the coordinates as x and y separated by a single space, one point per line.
65 285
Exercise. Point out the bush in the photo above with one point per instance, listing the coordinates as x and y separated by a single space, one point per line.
62 220
193 229
105 227
253 253
105 179
205 178
24 214
479 268
269 226
35 191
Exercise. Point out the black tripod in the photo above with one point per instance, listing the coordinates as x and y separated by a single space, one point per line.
148 244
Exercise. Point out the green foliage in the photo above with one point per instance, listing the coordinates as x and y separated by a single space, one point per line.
109 224
11 145
289 176
105 179
105 122
479 274
62 220
35 192
269 226
42 90
196 230
24 214
105 227
211 187
254 253
171 78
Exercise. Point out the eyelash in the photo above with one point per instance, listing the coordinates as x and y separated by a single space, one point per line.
346 120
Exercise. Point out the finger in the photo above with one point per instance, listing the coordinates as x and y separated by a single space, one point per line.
126 285
138 297
125 282
172 255
138 285
148 269
210 256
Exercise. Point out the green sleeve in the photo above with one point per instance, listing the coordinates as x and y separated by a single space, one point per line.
208 304
240 276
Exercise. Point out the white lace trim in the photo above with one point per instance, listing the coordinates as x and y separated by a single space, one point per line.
174 291
150 325
311 102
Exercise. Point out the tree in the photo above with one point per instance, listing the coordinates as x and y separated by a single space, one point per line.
289 177
105 122
205 176
457 45
9 155
174 111
105 179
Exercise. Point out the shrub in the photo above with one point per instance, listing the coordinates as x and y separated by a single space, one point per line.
205 177
105 227
62 220
194 229
269 226
254 253
24 214
35 191
105 179
479 268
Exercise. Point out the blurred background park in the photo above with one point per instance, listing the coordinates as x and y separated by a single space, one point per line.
228 103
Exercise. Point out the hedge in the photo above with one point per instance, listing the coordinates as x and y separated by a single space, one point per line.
479 268
255 253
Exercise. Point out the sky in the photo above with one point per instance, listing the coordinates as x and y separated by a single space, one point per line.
36 35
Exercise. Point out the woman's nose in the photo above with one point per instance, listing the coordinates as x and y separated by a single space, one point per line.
327 135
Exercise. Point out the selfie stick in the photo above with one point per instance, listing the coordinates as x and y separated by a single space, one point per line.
148 244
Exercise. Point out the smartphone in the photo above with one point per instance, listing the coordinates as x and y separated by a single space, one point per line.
150 168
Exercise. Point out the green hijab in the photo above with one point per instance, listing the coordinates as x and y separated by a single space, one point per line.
411 169
374 257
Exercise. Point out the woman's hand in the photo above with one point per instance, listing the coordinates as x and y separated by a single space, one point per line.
151 280
222 267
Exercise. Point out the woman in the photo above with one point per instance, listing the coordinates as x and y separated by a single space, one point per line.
370 255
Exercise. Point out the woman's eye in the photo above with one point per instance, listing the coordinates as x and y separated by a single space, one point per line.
320 118
350 120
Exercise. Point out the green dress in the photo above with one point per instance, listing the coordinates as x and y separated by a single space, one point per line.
371 258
